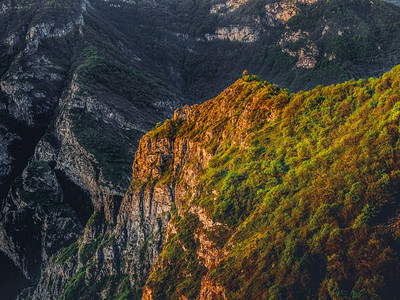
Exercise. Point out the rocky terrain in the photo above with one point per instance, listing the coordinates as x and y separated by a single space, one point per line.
68 138
83 81
232 196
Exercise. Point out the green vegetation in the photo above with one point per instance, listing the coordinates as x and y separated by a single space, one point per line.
180 268
98 72
117 287
308 184
67 252
76 286
96 219
98 138
88 250
122 290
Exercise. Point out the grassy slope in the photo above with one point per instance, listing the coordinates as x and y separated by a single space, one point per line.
306 201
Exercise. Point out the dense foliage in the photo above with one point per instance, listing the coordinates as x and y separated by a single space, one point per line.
306 186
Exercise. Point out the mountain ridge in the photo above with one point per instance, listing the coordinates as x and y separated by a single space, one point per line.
241 193
306 238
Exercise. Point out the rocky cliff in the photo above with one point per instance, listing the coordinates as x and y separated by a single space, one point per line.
69 133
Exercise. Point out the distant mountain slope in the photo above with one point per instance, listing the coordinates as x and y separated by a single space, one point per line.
295 44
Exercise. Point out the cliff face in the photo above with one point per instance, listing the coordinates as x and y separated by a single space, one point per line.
68 132
123 240
251 203
194 238
32 78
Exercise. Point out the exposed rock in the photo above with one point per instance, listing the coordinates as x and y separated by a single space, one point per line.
293 36
35 208
228 7
134 244
330 56
207 252
211 290
307 57
280 12
235 4
6 159
244 34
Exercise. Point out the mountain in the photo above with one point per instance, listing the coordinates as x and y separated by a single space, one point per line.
258 193
82 81
279 195
295 44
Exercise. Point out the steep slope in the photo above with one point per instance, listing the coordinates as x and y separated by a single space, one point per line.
297 199
257 193
32 79
71 118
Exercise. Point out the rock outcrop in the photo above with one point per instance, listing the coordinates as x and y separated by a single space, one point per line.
243 34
